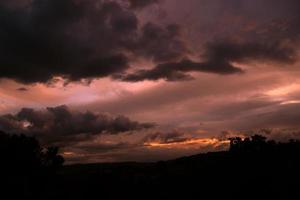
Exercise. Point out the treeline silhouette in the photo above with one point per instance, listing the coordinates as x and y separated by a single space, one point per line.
252 168
259 144
25 165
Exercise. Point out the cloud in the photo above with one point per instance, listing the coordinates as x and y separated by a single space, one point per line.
62 125
77 40
255 113
282 116
231 33
218 58
166 137
160 43
22 89
233 51
138 4
16 4
62 38
177 71
154 146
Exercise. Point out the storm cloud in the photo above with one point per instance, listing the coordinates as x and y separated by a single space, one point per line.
218 58
138 4
76 40
61 124
230 34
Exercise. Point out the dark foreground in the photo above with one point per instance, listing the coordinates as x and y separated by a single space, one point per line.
252 169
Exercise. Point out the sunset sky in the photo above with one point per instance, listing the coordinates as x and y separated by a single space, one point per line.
146 80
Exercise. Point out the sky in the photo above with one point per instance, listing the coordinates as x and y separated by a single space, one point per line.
148 80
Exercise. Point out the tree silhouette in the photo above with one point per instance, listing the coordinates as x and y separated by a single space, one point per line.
25 153
24 164
51 157
254 167
255 143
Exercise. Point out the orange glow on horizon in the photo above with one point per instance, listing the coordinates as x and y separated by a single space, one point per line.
201 142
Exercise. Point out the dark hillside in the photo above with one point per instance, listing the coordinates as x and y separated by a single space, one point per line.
253 168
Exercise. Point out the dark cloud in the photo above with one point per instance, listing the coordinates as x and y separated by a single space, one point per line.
22 89
231 51
62 125
219 58
238 31
90 39
138 4
160 43
15 4
104 147
151 148
171 137
166 137
77 40
255 114
176 71
283 116
236 110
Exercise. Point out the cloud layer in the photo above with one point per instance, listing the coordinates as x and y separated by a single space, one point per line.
77 39
138 4
62 125
219 58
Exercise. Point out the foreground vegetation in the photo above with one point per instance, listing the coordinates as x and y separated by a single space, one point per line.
253 168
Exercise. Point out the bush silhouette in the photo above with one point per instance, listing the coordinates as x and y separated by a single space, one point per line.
24 163
254 143
25 153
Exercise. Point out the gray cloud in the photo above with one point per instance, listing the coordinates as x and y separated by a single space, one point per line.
77 40
166 137
55 37
219 58
141 149
138 4
160 43
253 114
22 89
283 116
99 38
228 32
177 71
62 125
